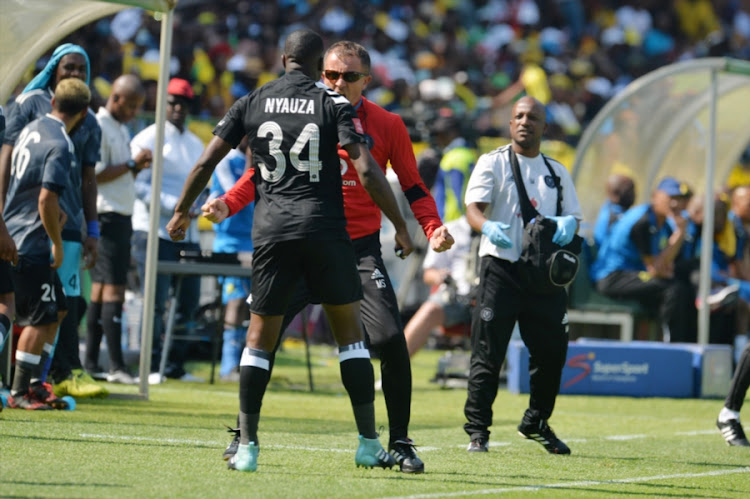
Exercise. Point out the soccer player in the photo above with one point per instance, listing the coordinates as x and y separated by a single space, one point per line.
79 202
294 124
347 70
39 174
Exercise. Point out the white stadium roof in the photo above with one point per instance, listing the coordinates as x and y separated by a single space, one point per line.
29 28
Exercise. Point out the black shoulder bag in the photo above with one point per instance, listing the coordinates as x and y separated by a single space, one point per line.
545 267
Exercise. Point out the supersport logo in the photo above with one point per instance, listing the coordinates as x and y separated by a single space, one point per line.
580 361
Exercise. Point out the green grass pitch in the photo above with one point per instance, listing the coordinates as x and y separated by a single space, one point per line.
171 445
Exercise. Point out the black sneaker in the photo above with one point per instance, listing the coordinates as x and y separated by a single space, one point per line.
478 445
733 433
405 453
231 449
542 433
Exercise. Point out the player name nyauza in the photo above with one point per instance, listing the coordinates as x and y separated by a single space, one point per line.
290 105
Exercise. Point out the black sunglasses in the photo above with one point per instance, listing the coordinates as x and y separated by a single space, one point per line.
349 76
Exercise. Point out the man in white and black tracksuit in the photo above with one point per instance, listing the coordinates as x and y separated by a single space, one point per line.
493 207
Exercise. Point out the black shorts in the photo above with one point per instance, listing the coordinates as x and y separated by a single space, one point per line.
329 268
380 316
6 281
113 261
39 294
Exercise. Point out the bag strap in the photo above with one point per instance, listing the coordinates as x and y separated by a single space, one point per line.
556 180
527 209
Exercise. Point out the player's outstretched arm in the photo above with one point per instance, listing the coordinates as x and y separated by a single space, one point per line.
376 185
196 182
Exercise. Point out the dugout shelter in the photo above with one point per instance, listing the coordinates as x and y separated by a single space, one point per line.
28 29
689 120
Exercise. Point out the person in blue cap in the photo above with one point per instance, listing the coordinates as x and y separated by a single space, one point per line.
79 204
636 261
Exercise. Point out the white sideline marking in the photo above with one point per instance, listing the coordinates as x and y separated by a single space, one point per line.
584 483
694 433
149 439
202 442
321 449
624 437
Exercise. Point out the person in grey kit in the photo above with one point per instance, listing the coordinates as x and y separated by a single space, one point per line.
493 208
35 216
79 203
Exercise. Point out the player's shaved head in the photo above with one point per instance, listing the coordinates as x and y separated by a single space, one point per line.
126 98
304 46
71 96
532 103
128 85
528 122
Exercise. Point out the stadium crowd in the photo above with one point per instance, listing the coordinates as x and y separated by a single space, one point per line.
470 56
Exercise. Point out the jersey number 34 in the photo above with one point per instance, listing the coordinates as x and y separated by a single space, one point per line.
310 135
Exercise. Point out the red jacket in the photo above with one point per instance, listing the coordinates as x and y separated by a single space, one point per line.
390 143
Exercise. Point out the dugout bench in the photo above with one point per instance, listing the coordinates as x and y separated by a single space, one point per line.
588 306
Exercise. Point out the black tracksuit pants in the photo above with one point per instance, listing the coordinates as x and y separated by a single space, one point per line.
740 382
502 300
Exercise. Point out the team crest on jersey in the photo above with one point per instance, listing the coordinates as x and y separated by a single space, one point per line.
549 181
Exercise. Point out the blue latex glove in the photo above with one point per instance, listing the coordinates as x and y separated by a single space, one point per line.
495 232
566 229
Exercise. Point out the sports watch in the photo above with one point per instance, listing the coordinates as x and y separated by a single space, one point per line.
130 164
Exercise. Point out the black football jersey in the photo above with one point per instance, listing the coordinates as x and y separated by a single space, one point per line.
294 126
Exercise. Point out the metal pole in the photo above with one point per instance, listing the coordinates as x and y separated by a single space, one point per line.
707 234
149 285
